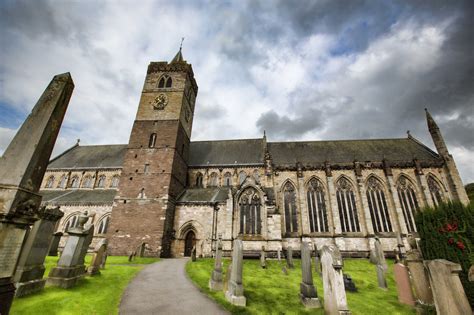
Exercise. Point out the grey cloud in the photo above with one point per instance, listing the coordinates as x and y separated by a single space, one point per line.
209 111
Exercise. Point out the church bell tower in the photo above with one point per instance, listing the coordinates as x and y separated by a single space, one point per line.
155 164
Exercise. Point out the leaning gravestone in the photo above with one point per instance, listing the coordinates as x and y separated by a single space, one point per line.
22 167
70 266
349 285
99 252
419 277
215 283
263 261
235 289
402 281
308 294
53 246
30 269
289 257
381 264
333 281
448 292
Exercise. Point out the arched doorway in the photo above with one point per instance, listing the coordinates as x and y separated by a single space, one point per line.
189 243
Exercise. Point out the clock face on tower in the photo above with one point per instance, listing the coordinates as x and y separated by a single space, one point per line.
160 101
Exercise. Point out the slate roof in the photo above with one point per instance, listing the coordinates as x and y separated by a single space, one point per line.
347 151
226 152
204 195
70 197
91 156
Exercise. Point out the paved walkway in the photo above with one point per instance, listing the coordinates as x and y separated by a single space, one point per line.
164 288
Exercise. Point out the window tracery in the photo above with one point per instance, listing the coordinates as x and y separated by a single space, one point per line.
49 182
103 225
291 213
408 201
101 182
115 181
71 222
346 204
318 221
62 182
435 191
242 177
75 182
227 179
378 206
250 208
87 182
213 180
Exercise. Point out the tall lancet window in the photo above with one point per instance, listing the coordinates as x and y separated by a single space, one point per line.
250 216
378 206
318 221
346 204
213 180
291 213
435 191
407 197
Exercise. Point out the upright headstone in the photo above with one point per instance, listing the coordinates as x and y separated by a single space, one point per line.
99 252
308 294
381 264
215 283
279 254
22 167
235 289
141 250
193 254
289 257
317 262
53 246
419 276
227 277
30 269
448 292
402 281
349 284
104 260
263 259
333 281
71 266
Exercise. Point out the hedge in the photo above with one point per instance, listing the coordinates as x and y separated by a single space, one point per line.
447 232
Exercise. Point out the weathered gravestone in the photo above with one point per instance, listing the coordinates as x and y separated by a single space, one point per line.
279 254
22 167
215 283
53 246
193 254
381 264
289 257
30 269
141 250
235 289
99 252
308 294
317 262
349 285
448 292
263 259
333 282
104 260
131 256
402 281
227 277
418 274
71 266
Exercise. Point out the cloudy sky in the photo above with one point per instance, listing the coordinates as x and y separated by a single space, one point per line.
301 70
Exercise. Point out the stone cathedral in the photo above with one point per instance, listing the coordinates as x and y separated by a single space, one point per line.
170 193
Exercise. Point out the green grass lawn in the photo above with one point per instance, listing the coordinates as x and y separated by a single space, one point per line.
93 295
270 291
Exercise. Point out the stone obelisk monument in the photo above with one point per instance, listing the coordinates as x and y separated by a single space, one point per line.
22 168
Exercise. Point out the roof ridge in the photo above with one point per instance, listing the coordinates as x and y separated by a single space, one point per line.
227 140
418 142
339 140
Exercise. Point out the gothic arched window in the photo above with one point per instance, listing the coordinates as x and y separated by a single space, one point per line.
115 181
169 82
256 176
49 182
250 216
213 180
242 177
103 225
227 179
318 221
378 206
346 205
101 183
62 182
75 182
161 84
199 180
435 190
87 182
291 213
71 222
152 141
407 197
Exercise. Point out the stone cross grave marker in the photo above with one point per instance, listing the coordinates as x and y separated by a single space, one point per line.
215 283
235 289
99 252
448 292
308 294
333 281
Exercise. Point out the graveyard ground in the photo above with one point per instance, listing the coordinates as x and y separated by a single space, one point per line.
93 295
270 291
